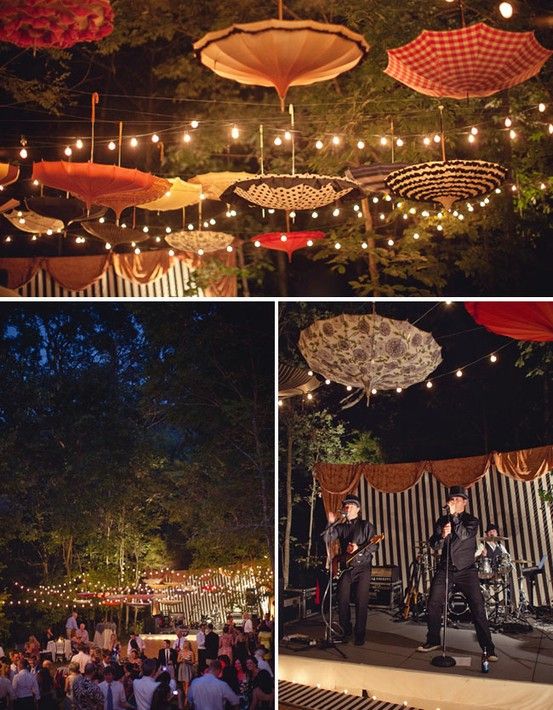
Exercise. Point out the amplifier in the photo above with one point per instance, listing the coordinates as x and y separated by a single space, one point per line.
385 573
308 606
291 607
386 595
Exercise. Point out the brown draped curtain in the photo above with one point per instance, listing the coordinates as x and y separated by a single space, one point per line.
336 479
392 478
525 464
460 472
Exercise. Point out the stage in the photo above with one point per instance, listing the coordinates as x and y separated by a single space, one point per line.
389 666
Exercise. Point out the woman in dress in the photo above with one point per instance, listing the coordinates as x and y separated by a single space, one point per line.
73 668
32 646
186 660
114 648
226 642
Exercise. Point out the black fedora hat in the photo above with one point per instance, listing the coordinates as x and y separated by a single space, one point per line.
352 499
457 491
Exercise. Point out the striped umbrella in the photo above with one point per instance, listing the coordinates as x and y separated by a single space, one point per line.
372 178
295 381
446 181
473 61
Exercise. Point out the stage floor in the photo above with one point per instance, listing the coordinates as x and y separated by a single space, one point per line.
522 657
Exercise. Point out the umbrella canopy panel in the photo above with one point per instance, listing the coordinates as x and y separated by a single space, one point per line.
473 61
295 381
372 178
33 223
180 194
114 234
8 173
281 53
214 184
287 241
196 240
519 320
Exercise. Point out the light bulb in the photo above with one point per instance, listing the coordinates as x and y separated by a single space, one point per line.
107 245
287 136
360 145
416 235
201 252
426 140
364 245
356 208
134 142
79 144
459 373
234 133
493 358
194 124
399 390
257 243
391 242
335 140
550 128
229 249
155 138
541 107
336 212
309 242
376 200
327 382
337 246
23 153
171 252
471 138
437 138
137 251
310 373
429 385
506 10
111 145
508 122
512 134
319 145
383 141
145 230
278 140
314 214
374 390
187 138
474 131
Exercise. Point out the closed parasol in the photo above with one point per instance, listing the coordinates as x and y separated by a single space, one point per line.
292 192
520 320
472 61
214 184
107 185
446 181
8 173
180 194
199 240
55 23
28 221
114 234
295 381
287 241
281 53
369 352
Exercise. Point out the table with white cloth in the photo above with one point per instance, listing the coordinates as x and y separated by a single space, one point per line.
61 648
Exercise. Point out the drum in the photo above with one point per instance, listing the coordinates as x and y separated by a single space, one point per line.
457 604
485 569
503 564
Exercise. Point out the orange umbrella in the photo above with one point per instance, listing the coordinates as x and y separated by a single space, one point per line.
214 184
281 53
8 173
100 184
180 194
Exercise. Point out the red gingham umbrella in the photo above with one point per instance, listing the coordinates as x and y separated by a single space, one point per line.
286 241
473 61
523 320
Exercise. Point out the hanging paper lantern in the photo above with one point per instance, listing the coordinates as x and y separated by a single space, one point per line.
295 381
292 192
180 194
194 240
55 23
286 241
446 181
473 61
281 53
369 351
521 320
114 234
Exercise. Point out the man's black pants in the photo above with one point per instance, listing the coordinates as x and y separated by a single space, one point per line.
465 581
359 577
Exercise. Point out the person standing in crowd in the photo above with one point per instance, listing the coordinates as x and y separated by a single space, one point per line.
82 634
353 533
82 657
163 694
247 623
15 657
145 686
186 663
86 693
226 642
461 528
6 687
209 692
25 687
200 642
71 624
262 685
167 658
46 688
114 648
72 676
113 691
136 643
211 645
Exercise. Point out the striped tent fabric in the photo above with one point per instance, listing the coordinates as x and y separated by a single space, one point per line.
446 181
304 697
407 519
295 381
372 178
473 61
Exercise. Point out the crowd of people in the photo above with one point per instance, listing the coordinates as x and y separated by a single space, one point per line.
217 671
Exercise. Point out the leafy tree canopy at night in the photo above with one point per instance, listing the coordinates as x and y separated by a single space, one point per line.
148 77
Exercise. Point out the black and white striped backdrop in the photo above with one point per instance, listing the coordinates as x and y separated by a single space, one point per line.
174 283
407 518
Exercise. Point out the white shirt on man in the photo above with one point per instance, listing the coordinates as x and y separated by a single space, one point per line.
143 692
82 659
25 685
248 626
139 642
117 693
71 623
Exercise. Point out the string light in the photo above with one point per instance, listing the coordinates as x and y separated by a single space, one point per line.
309 396
437 138
134 142
474 131
230 249
112 146
68 152
399 142
194 124
360 145
155 138
399 390
310 373
459 373
314 214
364 245
336 212
327 382
512 134
506 10
338 246
287 136
429 385
426 140
234 133
335 140
383 141
471 138
416 235
257 243
541 107
493 357
108 245
23 153
508 122
187 137
391 242
319 145
278 140
201 252
171 252
550 128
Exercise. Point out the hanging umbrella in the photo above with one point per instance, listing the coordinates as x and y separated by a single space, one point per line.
372 178
68 210
369 351
446 181
194 240
473 61
28 221
107 185
8 173
214 184
287 241
295 381
9 205
291 192
114 234
180 194
281 53
55 23
521 320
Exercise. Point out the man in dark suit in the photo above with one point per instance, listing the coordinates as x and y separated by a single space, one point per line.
211 644
460 529
167 658
353 533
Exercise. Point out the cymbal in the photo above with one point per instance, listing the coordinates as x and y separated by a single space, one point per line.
493 539
522 562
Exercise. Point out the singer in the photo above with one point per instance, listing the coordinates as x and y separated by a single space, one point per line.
353 534
463 529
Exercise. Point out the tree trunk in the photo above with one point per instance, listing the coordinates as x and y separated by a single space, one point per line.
282 271
373 267
288 529
67 552
311 516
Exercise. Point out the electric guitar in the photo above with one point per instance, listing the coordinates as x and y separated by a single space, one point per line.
342 562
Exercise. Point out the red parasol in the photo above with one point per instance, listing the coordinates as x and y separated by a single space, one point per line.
8 173
473 61
55 23
287 241
107 185
521 320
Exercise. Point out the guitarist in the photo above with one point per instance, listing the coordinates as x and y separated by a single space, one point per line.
353 533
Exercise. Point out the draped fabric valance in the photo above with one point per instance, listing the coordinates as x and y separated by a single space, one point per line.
76 273
338 479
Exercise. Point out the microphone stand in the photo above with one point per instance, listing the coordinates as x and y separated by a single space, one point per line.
445 661
329 641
